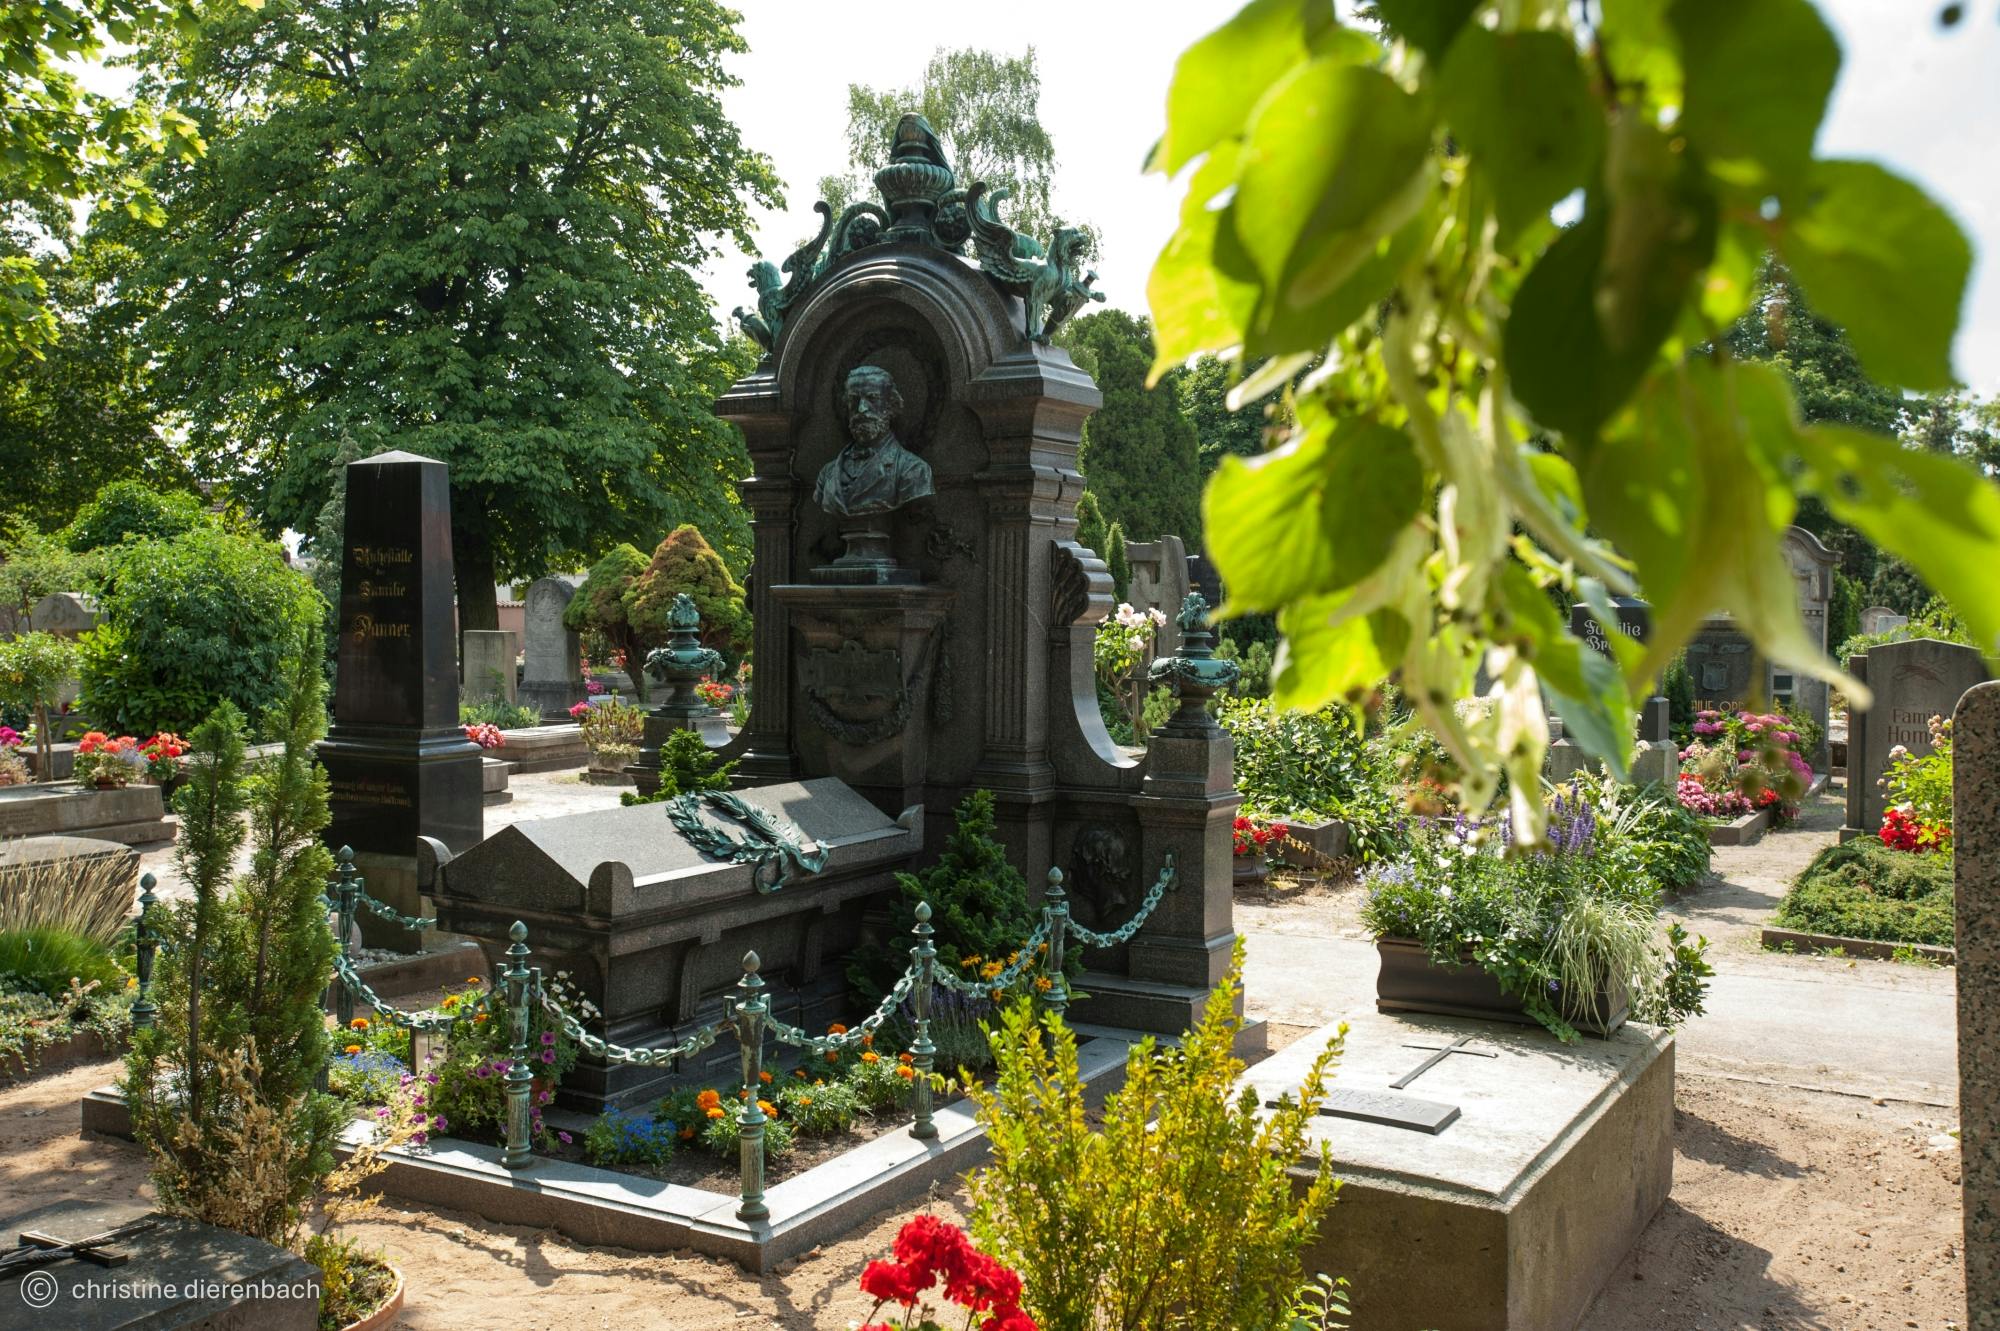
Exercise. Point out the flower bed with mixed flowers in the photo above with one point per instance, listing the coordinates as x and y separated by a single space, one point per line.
1741 762
1919 788
714 692
462 1085
107 763
13 768
486 735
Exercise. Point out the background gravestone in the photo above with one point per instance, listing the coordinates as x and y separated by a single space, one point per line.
1655 758
1975 781
489 665
1912 681
1812 567
1160 582
1880 619
552 664
397 763
65 614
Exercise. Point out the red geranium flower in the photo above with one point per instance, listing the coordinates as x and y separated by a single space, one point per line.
892 1282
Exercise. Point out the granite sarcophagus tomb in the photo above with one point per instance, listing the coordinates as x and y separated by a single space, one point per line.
653 931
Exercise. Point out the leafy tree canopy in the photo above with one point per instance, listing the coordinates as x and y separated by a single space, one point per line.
1139 453
986 109
59 142
132 510
468 229
1381 201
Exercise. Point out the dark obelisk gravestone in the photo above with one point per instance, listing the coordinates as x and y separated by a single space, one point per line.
397 761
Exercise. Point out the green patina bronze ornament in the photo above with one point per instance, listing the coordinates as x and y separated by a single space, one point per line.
683 662
923 204
1196 673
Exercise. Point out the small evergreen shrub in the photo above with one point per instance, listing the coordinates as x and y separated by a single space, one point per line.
686 562
1864 889
499 712
599 609
979 907
687 765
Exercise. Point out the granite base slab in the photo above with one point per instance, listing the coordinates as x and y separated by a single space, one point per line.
606 1208
1559 1158
545 748
178 1274
134 815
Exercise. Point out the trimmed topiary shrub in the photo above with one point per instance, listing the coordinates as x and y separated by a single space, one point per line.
1864 889
206 617
686 562
599 607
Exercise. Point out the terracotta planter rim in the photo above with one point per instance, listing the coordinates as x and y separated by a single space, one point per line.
390 1307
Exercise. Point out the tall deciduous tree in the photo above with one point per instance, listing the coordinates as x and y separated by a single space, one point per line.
468 229
56 137
1204 390
986 109
1139 452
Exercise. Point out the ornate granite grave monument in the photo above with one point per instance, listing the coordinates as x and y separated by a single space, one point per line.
924 613
397 762
1655 756
1975 761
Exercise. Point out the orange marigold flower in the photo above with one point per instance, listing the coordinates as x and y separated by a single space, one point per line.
708 1099
474 979
769 1109
871 1057
687 1134
805 1102
764 1077
479 1018
1043 984
359 1023
352 1049
836 1029
968 962
867 1042
714 1112
832 1056
904 1058
907 1074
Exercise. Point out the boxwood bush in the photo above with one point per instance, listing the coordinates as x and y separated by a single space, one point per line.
1864 889
204 617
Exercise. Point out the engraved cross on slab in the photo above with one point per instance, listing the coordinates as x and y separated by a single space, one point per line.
1391 1109
1443 1052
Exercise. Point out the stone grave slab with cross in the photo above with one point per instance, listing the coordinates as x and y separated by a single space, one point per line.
1532 1165
652 929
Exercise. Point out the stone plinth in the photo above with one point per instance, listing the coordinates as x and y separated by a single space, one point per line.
551 657
134 815
864 663
179 1274
653 931
489 665
1975 763
1912 681
397 763
1527 1201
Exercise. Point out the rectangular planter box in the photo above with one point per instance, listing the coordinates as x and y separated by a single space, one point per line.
1411 982
1742 831
1326 839
135 815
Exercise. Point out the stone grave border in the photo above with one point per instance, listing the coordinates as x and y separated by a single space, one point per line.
1741 832
1870 949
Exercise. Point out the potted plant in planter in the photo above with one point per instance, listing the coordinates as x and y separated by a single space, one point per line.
612 731
104 763
1254 842
1562 935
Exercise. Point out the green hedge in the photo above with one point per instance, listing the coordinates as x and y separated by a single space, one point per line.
1863 889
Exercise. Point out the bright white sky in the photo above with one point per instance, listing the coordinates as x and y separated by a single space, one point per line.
1918 99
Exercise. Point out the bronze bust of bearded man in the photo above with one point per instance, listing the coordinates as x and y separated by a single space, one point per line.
874 473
